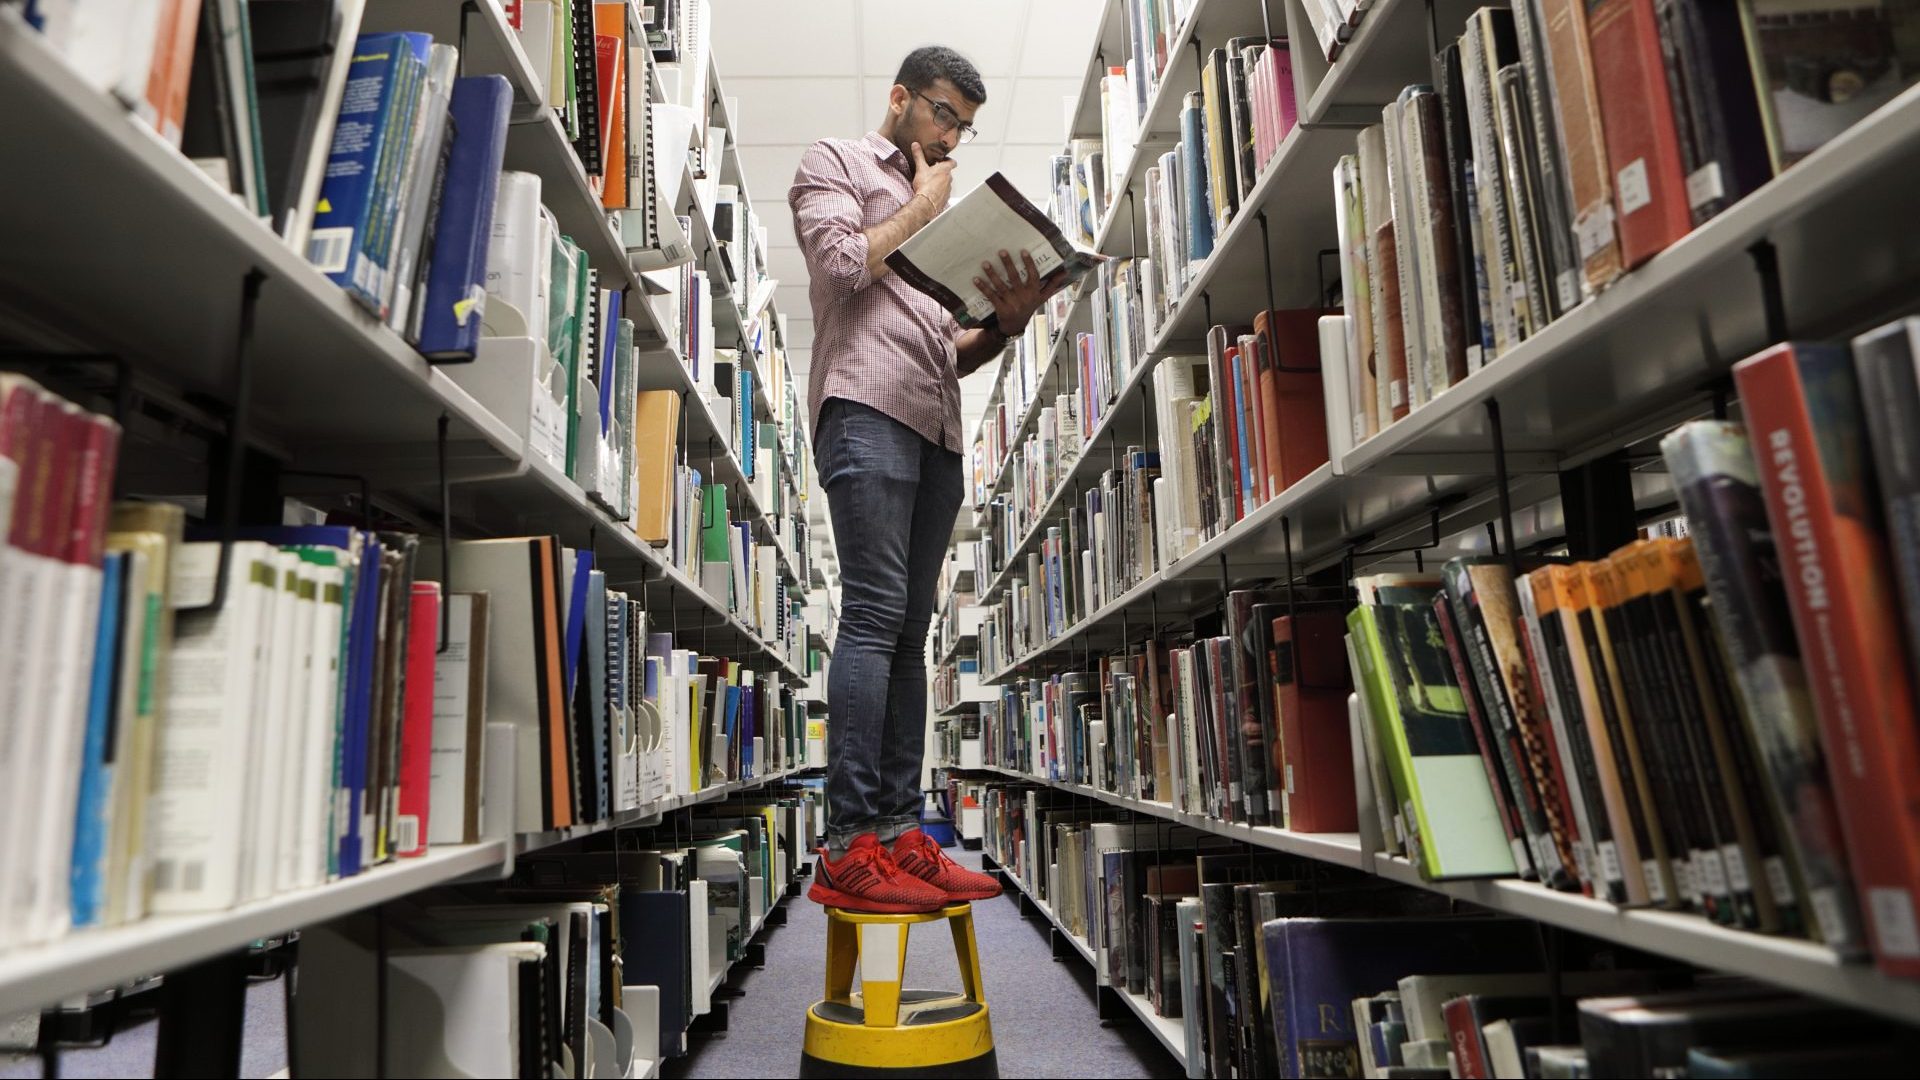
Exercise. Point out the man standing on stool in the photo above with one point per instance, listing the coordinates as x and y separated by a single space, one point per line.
885 395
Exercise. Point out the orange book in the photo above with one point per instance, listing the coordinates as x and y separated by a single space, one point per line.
172 68
656 426
1625 824
1662 851
557 783
610 41
1810 442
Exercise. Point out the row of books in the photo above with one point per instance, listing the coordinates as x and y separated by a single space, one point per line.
1280 967
1026 367
519 978
1722 722
1562 145
1639 728
1230 132
150 652
1237 427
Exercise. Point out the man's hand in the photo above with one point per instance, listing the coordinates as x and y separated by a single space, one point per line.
1018 294
933 181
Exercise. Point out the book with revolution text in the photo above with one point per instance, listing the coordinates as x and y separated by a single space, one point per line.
943 259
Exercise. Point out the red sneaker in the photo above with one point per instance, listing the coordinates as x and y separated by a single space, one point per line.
866 879
918 855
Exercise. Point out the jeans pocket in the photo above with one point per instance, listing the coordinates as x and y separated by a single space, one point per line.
859 440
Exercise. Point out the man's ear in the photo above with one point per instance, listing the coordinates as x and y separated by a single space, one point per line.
897 99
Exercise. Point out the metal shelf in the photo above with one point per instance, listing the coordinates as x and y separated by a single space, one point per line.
1800 965
1169 1030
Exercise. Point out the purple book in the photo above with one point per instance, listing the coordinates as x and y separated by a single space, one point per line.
1317 967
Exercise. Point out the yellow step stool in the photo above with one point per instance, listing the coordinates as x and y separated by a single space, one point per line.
884 1030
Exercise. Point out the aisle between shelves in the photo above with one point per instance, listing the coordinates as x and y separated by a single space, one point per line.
1295 466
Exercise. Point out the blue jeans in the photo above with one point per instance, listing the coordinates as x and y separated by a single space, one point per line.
893 496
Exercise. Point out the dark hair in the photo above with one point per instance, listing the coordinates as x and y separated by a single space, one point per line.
930 62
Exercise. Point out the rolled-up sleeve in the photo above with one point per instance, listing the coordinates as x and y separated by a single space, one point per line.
826 218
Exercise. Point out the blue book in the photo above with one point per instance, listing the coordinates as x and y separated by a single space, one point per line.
1317 967
1193 179
743 401
456 269
609 351
351 791
576 616
731 724
1243 434
353 221
94 807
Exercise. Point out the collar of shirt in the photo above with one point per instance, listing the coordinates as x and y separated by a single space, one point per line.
888 153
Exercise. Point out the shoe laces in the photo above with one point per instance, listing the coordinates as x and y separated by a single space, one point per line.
929 850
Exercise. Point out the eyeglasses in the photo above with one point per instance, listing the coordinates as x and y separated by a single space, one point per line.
946 119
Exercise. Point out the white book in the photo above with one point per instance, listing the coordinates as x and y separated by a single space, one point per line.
325 700
1333 366
517 267
459 708
272 727
110 43
53 748
698 933
769 585
277 870
455 1010
205 743
1409 260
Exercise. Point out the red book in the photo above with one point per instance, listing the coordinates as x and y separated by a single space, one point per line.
1263 407
1464 1041
1296 413
1315 736
1810 445
1636 111
610 68
416 720
93 489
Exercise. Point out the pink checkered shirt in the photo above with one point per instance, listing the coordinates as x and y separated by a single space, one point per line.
881 343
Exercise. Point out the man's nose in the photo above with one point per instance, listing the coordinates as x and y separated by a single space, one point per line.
950 140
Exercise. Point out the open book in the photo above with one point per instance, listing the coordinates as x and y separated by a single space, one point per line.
943 259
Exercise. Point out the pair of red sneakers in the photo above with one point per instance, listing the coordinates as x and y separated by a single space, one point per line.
915 876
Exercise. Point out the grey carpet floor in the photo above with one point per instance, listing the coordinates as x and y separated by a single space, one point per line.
1044 1020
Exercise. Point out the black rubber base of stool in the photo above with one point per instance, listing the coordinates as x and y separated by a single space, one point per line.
984 1067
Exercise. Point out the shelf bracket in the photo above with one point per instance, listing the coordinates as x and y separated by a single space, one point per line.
1320 272
1432 541
1266 241
233 462
1505 488
1766 263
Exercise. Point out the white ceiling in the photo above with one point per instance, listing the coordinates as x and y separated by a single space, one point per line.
811 69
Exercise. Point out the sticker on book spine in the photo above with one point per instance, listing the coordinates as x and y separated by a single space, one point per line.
1704 185
1634 190
1895 931
1737 878
1594 231
1656 881
1610 869
1779 882
1829 911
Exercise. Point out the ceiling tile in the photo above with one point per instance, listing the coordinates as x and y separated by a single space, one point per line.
798 110
783 37
1059 36
987 32
1034 113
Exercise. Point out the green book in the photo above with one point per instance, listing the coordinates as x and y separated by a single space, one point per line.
1453 824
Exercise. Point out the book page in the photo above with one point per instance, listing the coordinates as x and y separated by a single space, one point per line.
944 258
